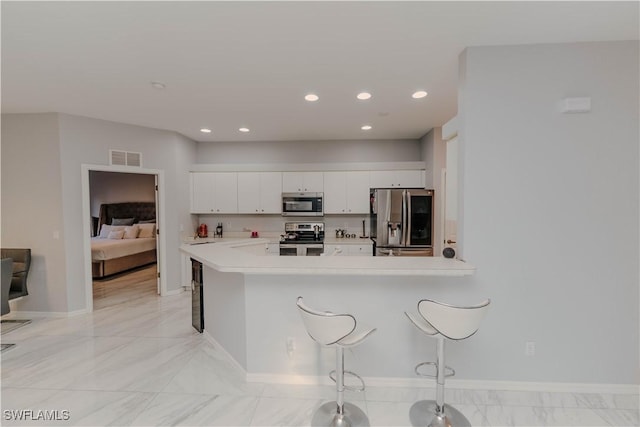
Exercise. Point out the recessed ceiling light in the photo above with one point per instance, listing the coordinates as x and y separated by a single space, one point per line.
311 97
205 130
244 129
366 127
419 94
158 85
363 95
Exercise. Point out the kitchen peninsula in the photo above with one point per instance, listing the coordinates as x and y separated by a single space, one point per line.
249 307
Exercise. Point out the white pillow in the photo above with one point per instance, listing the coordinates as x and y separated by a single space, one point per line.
116 234
104 231
131 232
147 230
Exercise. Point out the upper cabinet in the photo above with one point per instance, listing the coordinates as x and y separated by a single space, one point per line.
214 192
397 179
260 192
294 182
346 192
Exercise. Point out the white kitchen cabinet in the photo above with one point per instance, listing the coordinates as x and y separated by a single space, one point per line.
293 182
273 249
346 192
349 249
360 250
214 192
397 179
259 192
334 250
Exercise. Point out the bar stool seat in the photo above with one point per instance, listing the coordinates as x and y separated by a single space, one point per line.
442 321
339 331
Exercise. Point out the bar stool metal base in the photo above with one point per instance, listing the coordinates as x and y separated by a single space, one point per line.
423 413
327 415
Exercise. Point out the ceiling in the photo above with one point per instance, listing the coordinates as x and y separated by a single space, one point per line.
237 64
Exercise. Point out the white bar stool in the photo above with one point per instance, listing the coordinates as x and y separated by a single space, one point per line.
337 330
443 321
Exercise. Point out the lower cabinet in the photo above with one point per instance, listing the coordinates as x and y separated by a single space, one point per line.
273 249
348 250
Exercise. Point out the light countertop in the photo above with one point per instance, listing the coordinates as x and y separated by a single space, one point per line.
247 256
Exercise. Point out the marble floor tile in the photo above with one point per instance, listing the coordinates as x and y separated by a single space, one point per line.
299 391
71 408
145 364
619 417
388 413
170 409
210 372
622 401
54 362
285 411
399 394
539 416
139 362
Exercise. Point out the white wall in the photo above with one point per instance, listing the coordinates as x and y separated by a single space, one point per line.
550 214
434 156
32 206
87 141
50 194
404 150
117 187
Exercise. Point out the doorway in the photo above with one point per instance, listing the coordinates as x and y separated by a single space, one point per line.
146 276
116 281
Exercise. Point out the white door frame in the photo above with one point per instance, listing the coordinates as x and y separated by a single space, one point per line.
86 227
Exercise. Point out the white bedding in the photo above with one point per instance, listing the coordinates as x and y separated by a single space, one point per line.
104 249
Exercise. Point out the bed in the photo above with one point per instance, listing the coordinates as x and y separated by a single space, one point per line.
126 240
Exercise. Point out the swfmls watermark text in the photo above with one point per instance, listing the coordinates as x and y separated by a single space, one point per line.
36 415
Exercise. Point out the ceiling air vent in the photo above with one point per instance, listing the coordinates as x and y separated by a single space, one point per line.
125 158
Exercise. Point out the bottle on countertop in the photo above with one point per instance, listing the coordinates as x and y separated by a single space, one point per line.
219 230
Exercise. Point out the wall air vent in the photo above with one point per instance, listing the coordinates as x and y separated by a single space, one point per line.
125 158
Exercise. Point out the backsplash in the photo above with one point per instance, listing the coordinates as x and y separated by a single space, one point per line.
275 223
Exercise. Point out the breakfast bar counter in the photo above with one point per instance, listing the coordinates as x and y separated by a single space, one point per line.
245 256
249 305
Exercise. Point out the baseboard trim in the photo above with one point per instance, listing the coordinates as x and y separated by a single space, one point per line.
57 314
456 384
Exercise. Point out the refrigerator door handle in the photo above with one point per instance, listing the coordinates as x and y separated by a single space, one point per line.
407 240
403 240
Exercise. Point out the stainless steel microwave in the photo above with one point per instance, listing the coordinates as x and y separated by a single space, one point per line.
302 204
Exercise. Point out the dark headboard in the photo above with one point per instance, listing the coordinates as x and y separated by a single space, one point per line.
140 211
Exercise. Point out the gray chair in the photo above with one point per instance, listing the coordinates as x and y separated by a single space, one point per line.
7 271
21 264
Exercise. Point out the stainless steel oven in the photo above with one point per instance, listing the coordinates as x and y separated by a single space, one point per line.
302 239
302 204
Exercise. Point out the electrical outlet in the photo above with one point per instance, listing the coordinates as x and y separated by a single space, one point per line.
530 348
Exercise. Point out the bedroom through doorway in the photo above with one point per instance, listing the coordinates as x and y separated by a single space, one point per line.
124 247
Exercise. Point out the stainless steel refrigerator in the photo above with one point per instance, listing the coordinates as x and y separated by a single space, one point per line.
402 221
